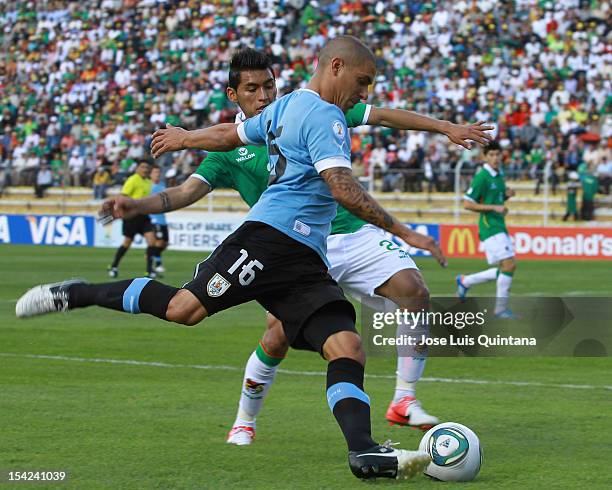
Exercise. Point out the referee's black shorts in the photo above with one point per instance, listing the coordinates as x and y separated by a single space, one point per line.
137 226
288 278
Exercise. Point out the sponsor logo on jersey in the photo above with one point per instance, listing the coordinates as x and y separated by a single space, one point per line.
217 286
244 154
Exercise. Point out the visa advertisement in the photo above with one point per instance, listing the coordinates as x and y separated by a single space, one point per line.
35 229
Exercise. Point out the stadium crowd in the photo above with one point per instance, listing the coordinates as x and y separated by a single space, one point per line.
83 85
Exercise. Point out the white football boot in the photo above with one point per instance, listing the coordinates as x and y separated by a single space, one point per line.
241 435
46 298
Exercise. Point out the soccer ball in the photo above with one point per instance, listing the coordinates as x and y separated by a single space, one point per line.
455 452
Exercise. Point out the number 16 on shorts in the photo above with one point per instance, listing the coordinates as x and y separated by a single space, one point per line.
247 273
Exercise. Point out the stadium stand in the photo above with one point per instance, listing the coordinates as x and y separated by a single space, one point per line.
84 84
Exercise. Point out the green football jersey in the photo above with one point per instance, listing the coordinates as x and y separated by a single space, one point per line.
245 169
488 187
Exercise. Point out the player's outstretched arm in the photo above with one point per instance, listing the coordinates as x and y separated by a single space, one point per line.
461 134
221 137
358 201
170 199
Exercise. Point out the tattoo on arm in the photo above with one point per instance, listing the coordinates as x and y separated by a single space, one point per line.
165 200
353 197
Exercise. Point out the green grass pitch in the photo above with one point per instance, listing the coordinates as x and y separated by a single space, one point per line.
161 423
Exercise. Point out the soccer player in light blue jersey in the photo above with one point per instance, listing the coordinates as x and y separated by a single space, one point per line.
277 257
160 226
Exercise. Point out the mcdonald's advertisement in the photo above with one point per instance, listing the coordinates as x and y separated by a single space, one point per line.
532 242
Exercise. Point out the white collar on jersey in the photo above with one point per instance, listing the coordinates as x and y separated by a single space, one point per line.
308 90
490 169
240 117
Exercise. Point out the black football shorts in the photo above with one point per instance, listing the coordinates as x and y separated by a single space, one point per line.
137 226
288 278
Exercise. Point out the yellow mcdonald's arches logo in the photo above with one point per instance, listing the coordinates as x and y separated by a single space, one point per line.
461 239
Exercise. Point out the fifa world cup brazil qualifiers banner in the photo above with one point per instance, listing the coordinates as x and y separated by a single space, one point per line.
532 242
195 231
36 229
200 231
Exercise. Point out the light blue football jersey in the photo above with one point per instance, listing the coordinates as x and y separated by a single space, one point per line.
158 219
304 135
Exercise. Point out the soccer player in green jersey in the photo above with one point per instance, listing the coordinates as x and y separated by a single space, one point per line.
487 196
358 253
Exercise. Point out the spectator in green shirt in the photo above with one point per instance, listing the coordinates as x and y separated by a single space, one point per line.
589 189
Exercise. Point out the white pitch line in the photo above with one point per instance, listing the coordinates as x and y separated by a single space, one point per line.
221 367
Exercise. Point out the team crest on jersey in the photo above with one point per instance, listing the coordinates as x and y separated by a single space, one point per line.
338 128
253 387
242 151
217 286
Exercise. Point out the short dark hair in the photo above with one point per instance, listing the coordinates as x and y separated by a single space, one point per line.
494 145
352 50
247 59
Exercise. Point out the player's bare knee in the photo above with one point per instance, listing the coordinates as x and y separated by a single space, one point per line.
407 289
184 308
414 293
420 292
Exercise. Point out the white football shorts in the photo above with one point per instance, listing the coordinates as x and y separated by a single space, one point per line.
498 247
363 260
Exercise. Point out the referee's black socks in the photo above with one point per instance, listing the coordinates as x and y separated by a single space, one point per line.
118 255
140 295
349 403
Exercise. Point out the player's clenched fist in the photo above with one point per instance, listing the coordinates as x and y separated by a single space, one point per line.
170 139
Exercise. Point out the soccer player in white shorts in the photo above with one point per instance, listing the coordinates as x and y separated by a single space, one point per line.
487 196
